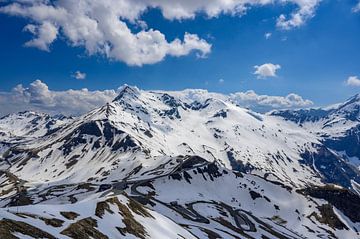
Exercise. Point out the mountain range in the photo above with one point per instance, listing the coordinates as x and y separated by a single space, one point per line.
181 164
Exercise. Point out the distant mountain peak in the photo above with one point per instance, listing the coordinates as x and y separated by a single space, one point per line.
26 113
355 97
351 101
127 90
349 110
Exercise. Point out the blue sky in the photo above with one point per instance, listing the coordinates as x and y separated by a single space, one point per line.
316 58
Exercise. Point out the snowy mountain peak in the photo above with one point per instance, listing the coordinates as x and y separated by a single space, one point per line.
354 98
127 91
350 109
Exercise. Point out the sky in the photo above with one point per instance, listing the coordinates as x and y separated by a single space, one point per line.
306 50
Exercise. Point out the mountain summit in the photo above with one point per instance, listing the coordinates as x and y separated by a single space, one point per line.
126 90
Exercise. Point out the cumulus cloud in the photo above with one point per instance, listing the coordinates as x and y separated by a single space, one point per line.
106 27
266 70
79 75
353 81
265 103
38 97
102 27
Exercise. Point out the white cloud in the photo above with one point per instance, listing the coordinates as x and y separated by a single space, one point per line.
353 81
266 70
79 75
221 81
38 97
104 27
44 34
267 35
357 7
265 103
298 18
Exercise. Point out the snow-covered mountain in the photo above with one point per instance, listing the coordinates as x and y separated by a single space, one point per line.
338 127
199 163
29 125
332 121
25 126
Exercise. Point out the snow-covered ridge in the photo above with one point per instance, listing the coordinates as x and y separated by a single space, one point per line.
337 127
333 120
139 125
29 124
142 125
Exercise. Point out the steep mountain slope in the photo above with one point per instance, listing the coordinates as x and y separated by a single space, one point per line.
202 198
248 206
107 217
338 127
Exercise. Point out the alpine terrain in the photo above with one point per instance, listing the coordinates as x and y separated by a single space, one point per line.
181 164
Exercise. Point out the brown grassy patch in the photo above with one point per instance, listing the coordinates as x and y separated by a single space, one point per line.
327 216
69 215
101 207
8 227
131 225
138 208
54 222
84 229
